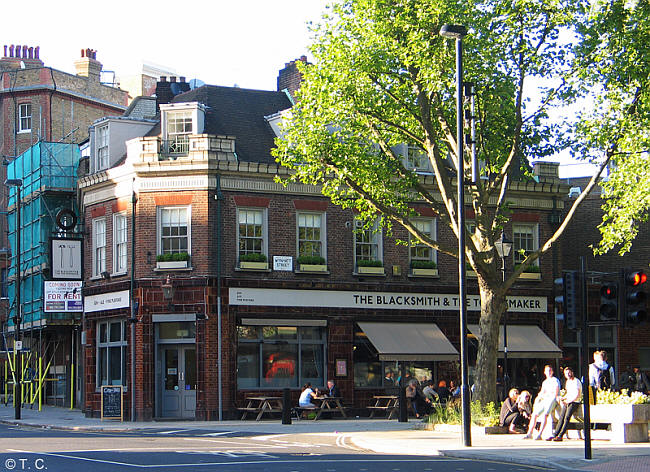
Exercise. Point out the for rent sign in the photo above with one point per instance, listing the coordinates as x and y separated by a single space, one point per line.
63 296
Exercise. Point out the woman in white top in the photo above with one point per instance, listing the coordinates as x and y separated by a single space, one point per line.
544 403
570 403
305 397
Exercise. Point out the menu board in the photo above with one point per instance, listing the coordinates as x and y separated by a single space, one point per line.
112 406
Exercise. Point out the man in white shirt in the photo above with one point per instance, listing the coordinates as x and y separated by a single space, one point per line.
570 403
544 403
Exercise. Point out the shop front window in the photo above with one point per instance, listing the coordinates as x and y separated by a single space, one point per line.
280 356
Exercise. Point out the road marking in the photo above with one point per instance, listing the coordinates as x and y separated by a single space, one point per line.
173 431
218 434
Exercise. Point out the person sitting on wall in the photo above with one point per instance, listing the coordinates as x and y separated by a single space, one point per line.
510 415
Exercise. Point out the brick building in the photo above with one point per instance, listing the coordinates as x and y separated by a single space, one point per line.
625 346
291 286
40 104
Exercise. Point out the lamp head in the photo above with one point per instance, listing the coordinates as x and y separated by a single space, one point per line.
453 31
14 182
503 245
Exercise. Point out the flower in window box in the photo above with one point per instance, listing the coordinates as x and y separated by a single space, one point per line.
371 266
424 268
312 264
254 261
177 260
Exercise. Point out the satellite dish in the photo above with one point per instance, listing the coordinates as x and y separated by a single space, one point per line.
196 83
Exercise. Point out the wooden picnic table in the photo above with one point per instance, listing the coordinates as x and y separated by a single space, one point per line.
261 405
389 404
331 405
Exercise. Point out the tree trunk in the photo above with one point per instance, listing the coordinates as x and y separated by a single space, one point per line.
493 305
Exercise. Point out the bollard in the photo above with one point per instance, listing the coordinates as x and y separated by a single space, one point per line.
286 406
403 407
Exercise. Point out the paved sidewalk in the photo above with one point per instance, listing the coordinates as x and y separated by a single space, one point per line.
381 436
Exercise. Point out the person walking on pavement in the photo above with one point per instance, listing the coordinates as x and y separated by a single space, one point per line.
601 374
544 403
570 404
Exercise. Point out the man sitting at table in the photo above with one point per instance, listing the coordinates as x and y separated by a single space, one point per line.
332 389
306 396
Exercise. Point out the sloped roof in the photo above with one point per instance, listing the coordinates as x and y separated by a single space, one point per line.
240 113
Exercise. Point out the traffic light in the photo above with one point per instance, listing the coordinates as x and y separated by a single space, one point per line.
569 297
634 299
608 302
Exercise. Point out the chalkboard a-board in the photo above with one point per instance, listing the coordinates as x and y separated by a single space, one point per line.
112 402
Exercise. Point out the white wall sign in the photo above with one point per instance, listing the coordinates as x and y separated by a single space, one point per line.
66 258
283 263
107 301
373 300
62 296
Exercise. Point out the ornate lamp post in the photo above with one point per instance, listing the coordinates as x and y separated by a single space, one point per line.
504 246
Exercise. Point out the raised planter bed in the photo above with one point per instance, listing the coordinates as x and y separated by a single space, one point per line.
424 272
249 265
172 264
313 268
370 270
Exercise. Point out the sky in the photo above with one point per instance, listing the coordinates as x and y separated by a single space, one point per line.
242 42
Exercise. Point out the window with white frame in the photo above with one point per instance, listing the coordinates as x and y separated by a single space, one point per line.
111 355
525 239
367 242
24 118
179 127
99 246
173 230
102 148
251 231
419 250
119 243
416 159
311 234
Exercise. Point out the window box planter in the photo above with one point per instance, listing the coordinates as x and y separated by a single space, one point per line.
313 267
419 272
530 276
370 270
172 264
250 265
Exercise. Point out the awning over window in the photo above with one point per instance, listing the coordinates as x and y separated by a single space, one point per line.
409 341
525 342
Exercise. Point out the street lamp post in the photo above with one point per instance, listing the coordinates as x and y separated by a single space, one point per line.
504 246
458 32
18 397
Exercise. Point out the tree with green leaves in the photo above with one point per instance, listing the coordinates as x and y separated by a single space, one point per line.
615 62
383 77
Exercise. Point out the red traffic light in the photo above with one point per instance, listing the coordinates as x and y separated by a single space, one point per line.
636 278
608 292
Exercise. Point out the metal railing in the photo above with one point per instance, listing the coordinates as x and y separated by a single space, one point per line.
172 148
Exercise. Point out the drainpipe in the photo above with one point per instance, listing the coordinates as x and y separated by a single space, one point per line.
219 198
134 306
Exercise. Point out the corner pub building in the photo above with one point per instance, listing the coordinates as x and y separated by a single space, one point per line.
215 238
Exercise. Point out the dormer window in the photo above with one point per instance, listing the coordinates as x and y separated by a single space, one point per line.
179 121
102 148
416 159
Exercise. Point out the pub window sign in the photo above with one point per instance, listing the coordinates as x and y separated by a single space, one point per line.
65 258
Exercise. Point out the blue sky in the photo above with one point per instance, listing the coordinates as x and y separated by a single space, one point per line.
243 42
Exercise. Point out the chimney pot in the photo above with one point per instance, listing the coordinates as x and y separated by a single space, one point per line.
163 78
36 52
17 50
5 50
303 58
25 51
83 53
11 51
182 79
172 79
31 52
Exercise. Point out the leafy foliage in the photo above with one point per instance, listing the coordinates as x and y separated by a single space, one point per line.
177 256
312 260
482 415
253 257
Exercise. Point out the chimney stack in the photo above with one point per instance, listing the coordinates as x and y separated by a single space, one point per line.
289 78
14 55
166 91
88 65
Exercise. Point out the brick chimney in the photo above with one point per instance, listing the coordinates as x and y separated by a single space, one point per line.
546 171
289 78
166 91
88 65
14 55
